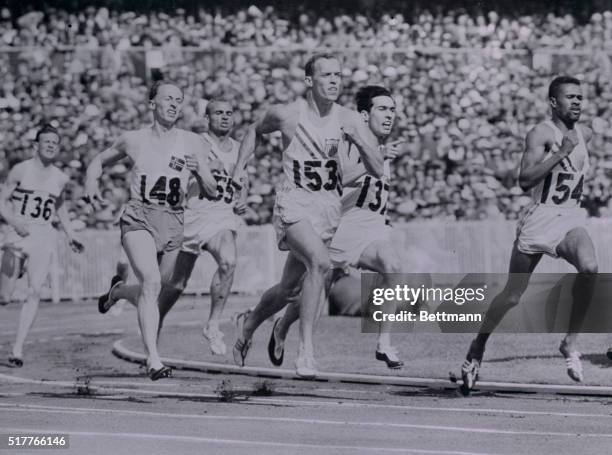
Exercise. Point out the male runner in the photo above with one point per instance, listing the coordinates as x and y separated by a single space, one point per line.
29 200
164 158
362 238
553 167
210 225
307 206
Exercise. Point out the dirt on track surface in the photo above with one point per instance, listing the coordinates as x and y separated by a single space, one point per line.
72 384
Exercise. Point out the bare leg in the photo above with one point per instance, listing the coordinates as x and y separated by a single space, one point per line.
223 249
577 249
141 250
37 273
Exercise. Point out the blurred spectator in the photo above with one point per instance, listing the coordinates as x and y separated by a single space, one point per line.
464 114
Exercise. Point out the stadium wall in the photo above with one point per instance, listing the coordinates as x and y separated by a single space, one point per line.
438 247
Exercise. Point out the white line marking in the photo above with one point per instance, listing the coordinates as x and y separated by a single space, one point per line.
259 418
241 442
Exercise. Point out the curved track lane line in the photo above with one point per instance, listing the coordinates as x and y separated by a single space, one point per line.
125 353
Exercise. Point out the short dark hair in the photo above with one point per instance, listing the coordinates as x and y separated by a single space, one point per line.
366 94
155 88
553 88
46 129
310 64
216 100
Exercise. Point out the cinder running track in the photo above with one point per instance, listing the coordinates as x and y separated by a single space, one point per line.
71 383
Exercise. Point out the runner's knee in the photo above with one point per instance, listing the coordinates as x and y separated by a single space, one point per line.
391 265
320 263
589 267
512 300
227 265
151 283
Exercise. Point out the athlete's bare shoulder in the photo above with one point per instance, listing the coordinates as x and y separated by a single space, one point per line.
287 112
17 171
542 130
279 117
136 135
541 135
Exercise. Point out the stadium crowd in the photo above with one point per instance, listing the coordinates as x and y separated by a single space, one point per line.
98 27
464 115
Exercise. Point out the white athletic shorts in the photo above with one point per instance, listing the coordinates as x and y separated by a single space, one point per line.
38 248
358 229
321 209
201 227
543 227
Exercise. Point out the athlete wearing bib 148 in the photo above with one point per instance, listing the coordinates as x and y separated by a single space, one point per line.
164 159
29 201
210 225
553 167
307 206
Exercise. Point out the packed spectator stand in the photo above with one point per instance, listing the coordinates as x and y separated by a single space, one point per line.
468 88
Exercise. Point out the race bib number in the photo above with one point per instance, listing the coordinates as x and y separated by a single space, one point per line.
317 175
226 188
374 195
163 191
561 187
35 205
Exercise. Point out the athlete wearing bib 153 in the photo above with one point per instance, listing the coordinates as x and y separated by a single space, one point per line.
312 183
555 208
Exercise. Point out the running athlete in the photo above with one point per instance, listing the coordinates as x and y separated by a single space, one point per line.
210 225
307 206
29 200
553 167
362 238
164 158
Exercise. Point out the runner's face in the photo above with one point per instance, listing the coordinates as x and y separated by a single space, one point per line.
382 116
568 102
221 117
48 146
327 79
167 104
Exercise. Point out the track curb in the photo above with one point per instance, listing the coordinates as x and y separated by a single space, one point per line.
121 351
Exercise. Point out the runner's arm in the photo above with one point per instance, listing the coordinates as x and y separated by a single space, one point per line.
12 182
269 123
358 134
205 179
66 225
111 155
533 166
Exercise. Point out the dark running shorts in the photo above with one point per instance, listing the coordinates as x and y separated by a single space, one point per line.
165 227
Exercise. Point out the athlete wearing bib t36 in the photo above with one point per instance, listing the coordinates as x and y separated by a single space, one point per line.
311 186
30 199
34 203
158 187
555 208
204 217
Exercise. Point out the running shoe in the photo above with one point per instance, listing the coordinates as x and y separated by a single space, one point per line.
572 363
242 346
215 339
276 347
105 302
